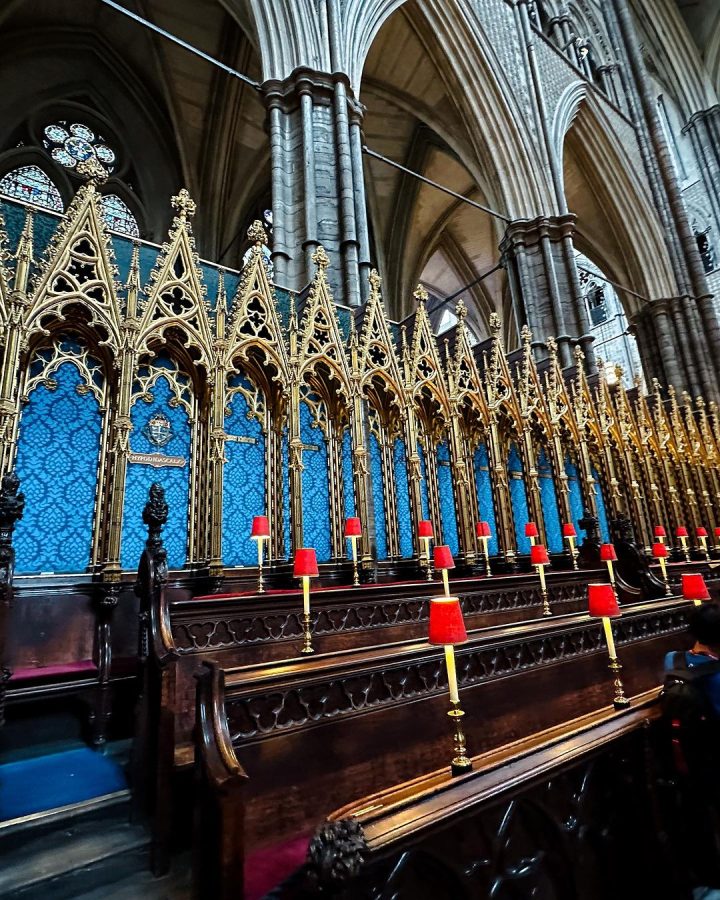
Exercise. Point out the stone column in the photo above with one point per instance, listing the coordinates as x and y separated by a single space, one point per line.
704 132
314 123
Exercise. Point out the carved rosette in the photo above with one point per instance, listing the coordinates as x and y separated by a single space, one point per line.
336 854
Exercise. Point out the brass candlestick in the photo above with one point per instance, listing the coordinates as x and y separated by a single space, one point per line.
543 591
663 569
685 548
486 553
620 701
428 565
261 554
460 762
574 552
307 635
356 576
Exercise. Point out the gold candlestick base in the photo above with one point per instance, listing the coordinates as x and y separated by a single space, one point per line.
620 701
546 603
261 582
488 571
575 555
460 763
429 571
668 591
307 635
356 575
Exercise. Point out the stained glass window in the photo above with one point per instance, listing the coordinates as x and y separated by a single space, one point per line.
71 143
118 217
32 185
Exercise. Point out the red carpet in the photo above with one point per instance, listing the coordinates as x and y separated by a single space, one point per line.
269 867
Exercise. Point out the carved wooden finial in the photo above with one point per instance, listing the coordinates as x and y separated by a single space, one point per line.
420 294
257 234
321 259
92 171
375 281
184 204
154 515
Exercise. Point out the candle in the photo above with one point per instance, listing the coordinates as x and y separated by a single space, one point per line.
260 550
571 541
609 637
426 541
703 542
610 571
452 674
306 594
541 573
353 541
446 582
662 568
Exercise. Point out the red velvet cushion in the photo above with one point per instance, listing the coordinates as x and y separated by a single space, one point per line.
42 673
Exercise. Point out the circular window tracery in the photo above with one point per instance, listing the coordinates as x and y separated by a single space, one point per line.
72 142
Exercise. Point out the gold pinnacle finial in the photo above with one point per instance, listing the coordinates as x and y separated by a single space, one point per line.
619 372
526 335
184 204
420 294
92 171
552 346
375 281
578 354
494 323
321 259
257 234
461 310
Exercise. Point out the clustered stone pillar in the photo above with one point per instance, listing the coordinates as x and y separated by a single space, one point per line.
314 123
703 130
543 278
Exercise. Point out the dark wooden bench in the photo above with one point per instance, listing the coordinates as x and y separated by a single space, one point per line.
570 812
280 745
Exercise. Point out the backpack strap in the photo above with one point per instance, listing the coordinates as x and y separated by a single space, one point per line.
694 673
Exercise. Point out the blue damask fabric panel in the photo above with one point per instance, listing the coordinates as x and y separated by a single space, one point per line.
602 512
423 483
243 479
315 492
548 498
286 493
376 475
483 486
57 464
348 484
175 479
402 494
447 500
518 499
575 495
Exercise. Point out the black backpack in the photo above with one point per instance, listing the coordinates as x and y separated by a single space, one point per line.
689 716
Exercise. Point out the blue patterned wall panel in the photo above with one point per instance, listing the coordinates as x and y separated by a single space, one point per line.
376 475
348 485
315 493
174 480
243 480
402 494
285 450
576 499
518 498
447 500
483 485
548 498
602 512
423 483
57 463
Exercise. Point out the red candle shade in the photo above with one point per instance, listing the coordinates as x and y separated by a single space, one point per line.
539 555
446 622
569 530
305 563
607 553
602 601
681 531
425 529
531 529
260 527
443 558
659 551
694 588
659 531
353 528
701 532
483 529
717 532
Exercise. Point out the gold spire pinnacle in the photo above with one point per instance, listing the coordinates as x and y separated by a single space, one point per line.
184 204
420 294
375 281
257 234
495 326
92 171
321 259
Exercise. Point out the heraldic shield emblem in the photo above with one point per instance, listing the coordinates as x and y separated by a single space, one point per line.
158 430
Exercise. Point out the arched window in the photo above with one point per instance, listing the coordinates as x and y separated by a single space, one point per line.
70 143
118 217
31 185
